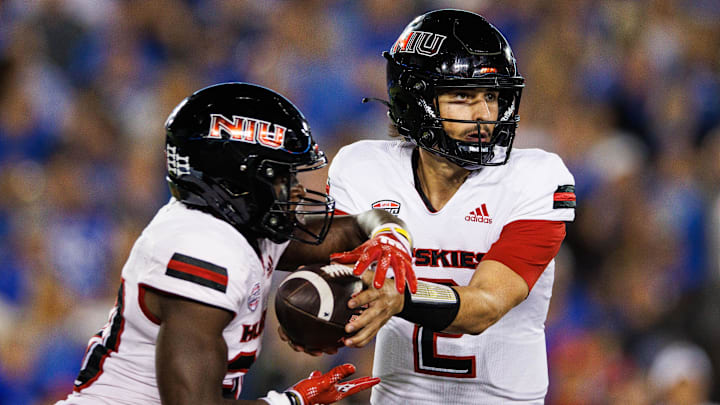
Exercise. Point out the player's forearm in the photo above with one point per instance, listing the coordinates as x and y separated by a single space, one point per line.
370 220
494 290
452 309
478 311
346 233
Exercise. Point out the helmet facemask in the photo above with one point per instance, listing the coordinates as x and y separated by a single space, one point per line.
472 155
415 112
290 207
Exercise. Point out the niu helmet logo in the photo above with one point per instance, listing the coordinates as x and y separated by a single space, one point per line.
479 214
247 130
420 42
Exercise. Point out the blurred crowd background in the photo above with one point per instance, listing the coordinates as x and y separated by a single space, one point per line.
626 91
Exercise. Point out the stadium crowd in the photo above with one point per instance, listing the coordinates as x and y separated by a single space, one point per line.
626 91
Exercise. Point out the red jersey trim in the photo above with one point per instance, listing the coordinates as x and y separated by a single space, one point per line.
340 212
142 288
527 247
100 348
185 297
241 362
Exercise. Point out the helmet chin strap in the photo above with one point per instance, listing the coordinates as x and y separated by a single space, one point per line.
436 140
433 138
464 163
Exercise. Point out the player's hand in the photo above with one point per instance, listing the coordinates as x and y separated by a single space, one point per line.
381 303
284 337
327 388
389 247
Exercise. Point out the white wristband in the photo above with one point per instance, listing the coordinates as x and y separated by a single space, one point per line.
276 398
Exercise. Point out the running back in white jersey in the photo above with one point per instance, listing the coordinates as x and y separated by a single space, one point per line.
190 254
507 362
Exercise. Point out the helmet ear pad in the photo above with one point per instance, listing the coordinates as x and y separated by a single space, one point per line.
412 110
403 110
204 193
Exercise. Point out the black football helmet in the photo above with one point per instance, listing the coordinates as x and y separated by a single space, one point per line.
446 49
230 146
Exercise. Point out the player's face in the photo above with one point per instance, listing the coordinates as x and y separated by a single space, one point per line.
475 104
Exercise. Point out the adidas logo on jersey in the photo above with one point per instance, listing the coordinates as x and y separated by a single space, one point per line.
480 214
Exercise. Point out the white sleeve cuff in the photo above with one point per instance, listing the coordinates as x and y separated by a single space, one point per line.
276 398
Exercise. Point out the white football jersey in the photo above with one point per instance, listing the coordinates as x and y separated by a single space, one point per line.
507 363
190 254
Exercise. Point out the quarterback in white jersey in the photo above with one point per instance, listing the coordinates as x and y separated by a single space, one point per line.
190 311
485 221
508 359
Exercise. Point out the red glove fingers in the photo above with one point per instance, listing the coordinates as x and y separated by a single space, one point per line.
389 246
411 277
346 257
354 386
325 389
370 254
380 271
399 275
340 372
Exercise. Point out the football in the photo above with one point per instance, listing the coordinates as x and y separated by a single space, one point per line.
311 305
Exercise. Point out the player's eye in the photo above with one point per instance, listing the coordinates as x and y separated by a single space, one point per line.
461 96
491 96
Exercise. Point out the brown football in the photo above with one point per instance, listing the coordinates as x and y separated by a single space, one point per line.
311 305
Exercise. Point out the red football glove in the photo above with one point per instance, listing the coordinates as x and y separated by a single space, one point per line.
390 247
322 388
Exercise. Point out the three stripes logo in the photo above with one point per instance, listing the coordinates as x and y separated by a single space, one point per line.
479 214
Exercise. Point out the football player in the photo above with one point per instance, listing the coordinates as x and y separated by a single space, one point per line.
487 223
190 312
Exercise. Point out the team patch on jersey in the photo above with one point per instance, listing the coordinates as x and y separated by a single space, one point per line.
564 197
197 271
390 206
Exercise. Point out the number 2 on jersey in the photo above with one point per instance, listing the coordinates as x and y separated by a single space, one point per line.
426 357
